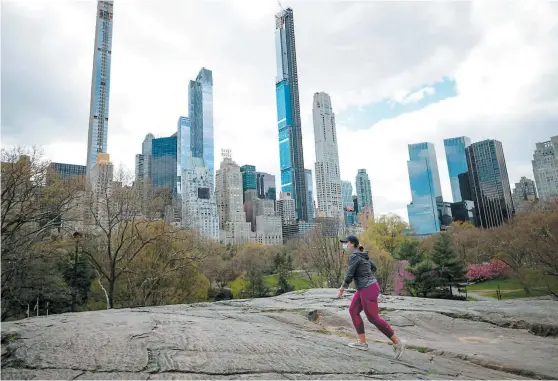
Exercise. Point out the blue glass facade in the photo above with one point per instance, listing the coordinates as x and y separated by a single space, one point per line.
291 155
309 194
426 190
200 110
183 149
489 183
363 190
163 162
347 193
284 124
100 85
350 217
457 163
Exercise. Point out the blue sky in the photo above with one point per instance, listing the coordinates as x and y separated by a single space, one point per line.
364 117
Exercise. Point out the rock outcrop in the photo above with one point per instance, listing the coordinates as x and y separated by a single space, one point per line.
300 335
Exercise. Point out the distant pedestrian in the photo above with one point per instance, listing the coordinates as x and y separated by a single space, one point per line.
361 269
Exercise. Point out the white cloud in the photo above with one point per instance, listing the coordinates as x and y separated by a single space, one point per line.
503 57
418 95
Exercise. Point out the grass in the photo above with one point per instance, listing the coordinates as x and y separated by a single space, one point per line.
298 280
511 288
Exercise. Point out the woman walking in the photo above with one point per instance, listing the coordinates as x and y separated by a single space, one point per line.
361 269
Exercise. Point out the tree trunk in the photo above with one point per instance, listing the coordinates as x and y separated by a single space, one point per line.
112 282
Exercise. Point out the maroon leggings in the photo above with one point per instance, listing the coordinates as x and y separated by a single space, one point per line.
367 300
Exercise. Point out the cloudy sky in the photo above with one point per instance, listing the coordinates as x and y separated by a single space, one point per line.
397 73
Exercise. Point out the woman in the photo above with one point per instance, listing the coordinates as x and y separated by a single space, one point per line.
361 269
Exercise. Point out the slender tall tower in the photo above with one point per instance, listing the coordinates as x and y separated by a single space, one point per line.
100 85
328 178
200 110
291 156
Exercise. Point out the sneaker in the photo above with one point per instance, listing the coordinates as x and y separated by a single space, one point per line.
398 349
359 345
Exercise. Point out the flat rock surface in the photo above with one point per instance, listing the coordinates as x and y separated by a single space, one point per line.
282 338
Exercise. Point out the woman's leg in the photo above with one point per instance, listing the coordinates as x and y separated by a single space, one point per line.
369 301
354 310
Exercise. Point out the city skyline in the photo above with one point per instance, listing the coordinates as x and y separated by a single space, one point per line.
136 111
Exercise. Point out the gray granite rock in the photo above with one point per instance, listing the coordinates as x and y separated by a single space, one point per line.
300 335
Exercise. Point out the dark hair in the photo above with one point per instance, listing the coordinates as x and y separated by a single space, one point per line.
361 248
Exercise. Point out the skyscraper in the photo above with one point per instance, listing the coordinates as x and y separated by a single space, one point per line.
286 209
363 190
199 207
347 193
545 169
228 193
143 160
524 194
183 150
100 85
291 155
309 194
489 183
200 111
163 161
426 190
248 179
328 178
265 185
65 171
457 163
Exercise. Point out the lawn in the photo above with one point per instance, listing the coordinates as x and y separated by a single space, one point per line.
297 279
511 288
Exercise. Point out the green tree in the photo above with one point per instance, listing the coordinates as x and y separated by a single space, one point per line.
256 286
424 279
283 264
449 267
386 233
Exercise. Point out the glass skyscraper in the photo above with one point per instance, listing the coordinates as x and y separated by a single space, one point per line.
163 163
248 173
489 183
200 110
291 155
309 194
347 193
100 85
265 185
426 190
457 163
183 149
363 190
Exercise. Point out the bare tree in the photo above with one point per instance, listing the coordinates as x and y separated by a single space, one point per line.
322 259
165 271
31 212
119 232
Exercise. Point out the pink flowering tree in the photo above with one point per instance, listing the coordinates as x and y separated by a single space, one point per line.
493 270
400 275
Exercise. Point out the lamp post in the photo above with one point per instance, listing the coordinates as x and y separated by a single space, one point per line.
77 236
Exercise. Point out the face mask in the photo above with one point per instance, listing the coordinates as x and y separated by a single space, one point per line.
345 245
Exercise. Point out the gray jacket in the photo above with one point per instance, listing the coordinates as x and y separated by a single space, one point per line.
361 269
